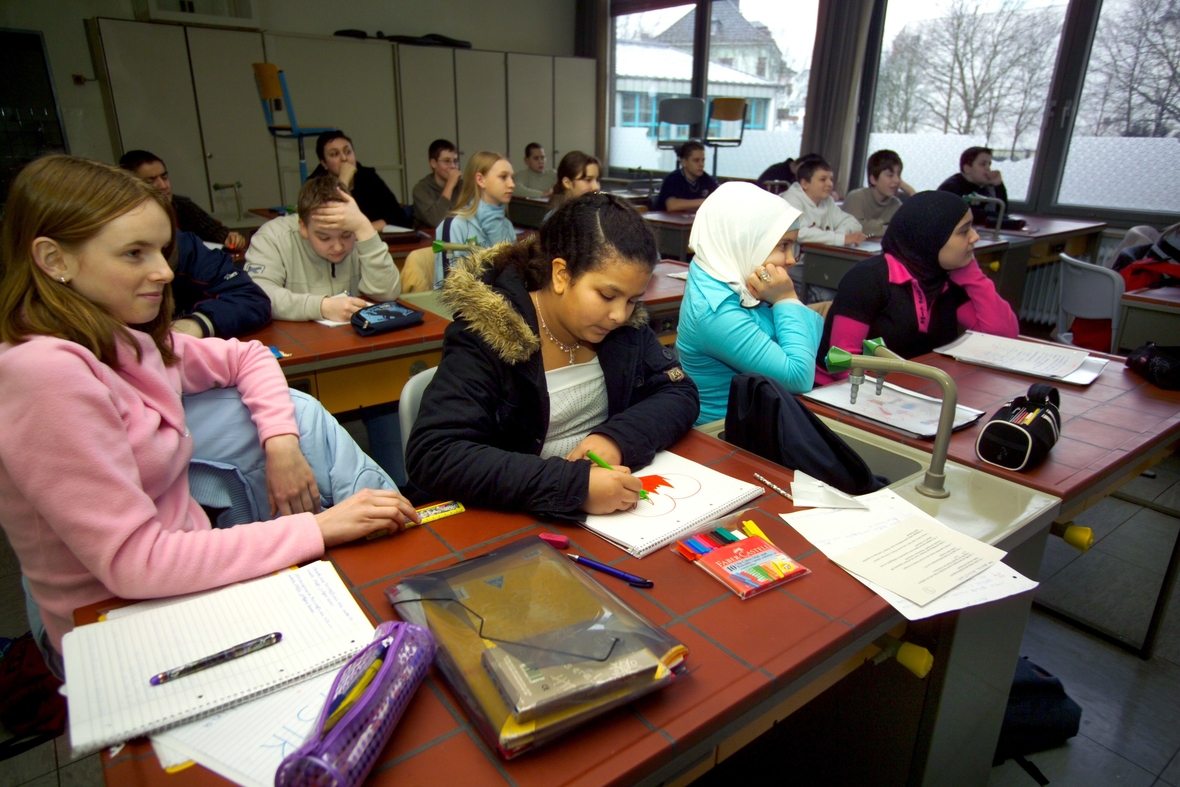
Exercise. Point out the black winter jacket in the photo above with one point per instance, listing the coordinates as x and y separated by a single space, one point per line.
483 418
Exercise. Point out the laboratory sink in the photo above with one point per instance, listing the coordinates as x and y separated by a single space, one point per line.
990 509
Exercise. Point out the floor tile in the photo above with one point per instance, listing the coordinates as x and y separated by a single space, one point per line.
1170 497
1129 706
48 780
28 765
1058 555
1145 540
1171 774
1105 591
1167 643
1104 517
13 620
1151 488
1080 763
86 772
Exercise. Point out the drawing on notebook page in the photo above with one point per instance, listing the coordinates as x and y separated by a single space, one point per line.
664 490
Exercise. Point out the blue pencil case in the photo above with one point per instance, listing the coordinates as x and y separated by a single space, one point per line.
365 703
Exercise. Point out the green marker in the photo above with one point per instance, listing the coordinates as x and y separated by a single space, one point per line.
598 460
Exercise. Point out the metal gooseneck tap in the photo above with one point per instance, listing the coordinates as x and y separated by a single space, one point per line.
978 199
879 358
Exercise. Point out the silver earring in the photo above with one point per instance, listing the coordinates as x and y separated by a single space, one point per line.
62 279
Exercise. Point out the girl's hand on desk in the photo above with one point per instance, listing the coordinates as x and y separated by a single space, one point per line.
368 511
603 447
611 490
290 482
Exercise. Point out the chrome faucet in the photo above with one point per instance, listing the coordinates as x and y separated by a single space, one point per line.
880 359
977 199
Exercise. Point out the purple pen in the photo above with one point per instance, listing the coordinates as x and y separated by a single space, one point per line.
630 579
237 651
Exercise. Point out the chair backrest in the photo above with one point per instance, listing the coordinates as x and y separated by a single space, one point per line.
678 112
418 270
728 109
411 399
1090 292
269 86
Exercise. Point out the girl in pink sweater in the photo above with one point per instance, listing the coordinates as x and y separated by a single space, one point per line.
94 451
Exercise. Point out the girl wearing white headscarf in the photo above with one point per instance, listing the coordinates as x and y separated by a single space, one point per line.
740 313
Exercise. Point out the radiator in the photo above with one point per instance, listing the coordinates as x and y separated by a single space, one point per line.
1042 293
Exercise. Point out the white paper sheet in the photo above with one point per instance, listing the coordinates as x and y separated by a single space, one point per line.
810 492
682 276
895 407
248 743
1014 355
834 531
919 559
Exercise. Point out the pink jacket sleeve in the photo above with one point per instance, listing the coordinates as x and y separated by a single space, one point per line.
79 475
847 334
986 311
221 363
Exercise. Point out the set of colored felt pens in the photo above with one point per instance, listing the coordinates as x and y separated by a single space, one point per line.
1025 416
743 560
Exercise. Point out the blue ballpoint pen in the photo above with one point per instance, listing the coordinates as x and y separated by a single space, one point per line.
630 579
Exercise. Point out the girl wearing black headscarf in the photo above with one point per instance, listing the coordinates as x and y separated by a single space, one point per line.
922 290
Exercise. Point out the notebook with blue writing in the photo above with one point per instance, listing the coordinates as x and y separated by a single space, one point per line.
108 664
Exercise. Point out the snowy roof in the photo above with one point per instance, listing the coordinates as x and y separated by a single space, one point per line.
650 61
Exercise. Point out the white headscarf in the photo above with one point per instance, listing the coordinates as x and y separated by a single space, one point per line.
735 230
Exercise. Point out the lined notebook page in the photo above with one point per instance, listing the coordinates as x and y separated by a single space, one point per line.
684 495
247 744
109 664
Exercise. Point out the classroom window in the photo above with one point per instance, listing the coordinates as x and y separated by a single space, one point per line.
961 74
1128 119
652 60
761 51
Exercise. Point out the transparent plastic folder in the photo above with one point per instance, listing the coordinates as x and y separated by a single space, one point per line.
533 645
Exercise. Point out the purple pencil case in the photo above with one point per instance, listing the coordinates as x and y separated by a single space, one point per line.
344 755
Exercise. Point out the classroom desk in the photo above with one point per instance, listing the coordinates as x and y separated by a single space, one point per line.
528 211
346 371
825 265
672 229
662 299
1149 315
1006 260
741 678
1111 430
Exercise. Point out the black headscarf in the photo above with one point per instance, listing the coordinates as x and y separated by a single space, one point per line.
918 231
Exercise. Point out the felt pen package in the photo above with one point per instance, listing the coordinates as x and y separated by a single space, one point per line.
736 553
532 645
364 705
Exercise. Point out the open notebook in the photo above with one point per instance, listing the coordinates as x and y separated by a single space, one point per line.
684 495
110 663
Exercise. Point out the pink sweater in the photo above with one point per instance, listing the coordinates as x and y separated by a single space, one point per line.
94 490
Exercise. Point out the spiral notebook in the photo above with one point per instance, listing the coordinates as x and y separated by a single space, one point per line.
684 495
109 664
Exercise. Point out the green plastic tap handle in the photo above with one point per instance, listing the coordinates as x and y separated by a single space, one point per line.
870 345
838 360
436 246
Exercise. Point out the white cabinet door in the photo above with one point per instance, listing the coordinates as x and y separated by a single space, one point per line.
575 81
481 94
237 145
530 106
427 79
151 88
340 83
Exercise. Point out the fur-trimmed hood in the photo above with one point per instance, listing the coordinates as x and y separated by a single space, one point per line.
497 306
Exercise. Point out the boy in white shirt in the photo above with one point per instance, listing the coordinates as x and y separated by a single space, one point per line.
823 222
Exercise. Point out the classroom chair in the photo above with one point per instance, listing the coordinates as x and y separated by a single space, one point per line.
272 89
410 400
677 112
1090 292
418 270
725 110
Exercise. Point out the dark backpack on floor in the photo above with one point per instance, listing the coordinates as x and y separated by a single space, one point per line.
1040 716
766 419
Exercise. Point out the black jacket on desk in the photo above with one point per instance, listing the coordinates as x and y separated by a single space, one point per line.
375 199
958 184
484 416
210 289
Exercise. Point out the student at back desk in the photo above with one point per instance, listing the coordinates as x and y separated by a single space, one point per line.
535 180
190 217
375 199
435 195
687 187
577 174
480 218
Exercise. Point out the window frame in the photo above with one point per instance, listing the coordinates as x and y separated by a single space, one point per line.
1078 34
